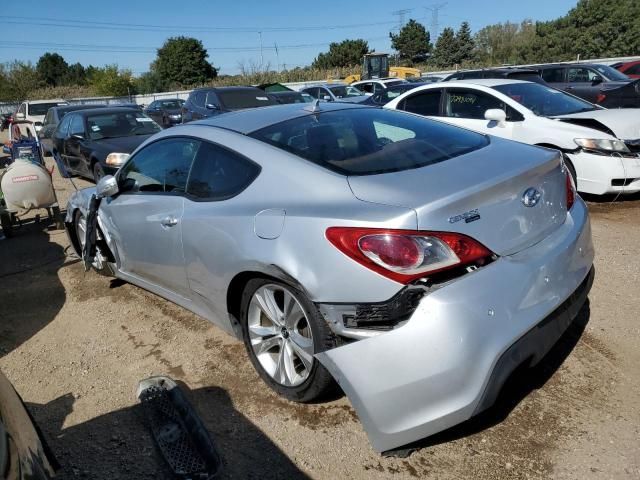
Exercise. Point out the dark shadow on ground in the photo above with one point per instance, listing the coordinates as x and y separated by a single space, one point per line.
31 294
520 384
612 197
118 445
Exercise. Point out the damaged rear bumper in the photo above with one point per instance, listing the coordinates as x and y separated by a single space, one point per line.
452 356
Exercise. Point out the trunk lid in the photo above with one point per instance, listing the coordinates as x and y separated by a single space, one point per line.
479 194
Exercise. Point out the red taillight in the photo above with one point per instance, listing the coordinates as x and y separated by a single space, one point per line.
406 255
601 98
571 189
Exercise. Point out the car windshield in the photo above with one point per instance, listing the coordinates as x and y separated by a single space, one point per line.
171 104
120 124
611 73
239 99
370 140
343 91
544 101
42 108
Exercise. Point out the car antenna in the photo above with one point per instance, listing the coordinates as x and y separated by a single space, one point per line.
314 107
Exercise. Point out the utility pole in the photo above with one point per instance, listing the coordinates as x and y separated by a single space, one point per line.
435 25
261 53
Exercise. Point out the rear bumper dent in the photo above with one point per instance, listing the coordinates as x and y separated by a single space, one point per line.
436 371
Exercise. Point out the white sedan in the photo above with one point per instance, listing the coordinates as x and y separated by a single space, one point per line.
601 147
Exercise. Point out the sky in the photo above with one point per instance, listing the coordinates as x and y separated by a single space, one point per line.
128 33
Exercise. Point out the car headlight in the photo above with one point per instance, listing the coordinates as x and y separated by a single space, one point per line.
175 116
116 159
603 145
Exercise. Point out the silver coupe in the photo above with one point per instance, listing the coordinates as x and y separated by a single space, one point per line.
414 263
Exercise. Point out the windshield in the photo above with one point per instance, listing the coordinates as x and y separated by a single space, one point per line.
120 124
370 141
611 73
37 109
544 101
171 104
239 99
342 91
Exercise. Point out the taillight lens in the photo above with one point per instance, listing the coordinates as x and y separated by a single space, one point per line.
571 188
406 255
601 98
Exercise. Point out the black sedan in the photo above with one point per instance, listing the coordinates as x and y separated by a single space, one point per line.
165 112
211 101
94 143
53 118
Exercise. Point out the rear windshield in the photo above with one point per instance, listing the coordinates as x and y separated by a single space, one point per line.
239 99
175 104
41 108
344 91
369 140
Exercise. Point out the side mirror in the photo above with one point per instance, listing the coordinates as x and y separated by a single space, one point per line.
496 115
326 98
597 80
107 186
211 106
20 116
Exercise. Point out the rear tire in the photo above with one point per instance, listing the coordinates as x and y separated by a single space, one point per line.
7 224
282 330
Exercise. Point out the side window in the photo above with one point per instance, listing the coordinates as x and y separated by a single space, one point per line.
470 104
366 87
23 108
161 167
553 75
48 118
199 98
311 91
633 70
218 173
63 127
581 75
323 92
212 99
77 125
424 103
153 105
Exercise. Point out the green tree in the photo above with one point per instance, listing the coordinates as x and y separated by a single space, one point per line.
412 42
445 50
76 75
22 78
52 69
505 43
110 81
150 82
183 61
464 45
344 54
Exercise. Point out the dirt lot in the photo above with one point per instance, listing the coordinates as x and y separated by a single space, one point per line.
75 345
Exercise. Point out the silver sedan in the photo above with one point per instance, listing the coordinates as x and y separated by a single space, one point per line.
414 263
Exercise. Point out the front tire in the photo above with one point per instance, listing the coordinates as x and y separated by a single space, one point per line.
282 331
98 172
572 170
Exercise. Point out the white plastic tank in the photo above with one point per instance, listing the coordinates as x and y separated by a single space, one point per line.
26 185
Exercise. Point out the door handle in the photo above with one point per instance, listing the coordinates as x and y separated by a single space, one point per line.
169 221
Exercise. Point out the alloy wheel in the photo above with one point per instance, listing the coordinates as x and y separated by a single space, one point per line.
280 335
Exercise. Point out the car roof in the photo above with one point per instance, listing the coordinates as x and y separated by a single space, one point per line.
224 89
252 119
485 82
104 110
37 102
71 108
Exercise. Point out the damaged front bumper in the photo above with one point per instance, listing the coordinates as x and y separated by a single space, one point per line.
438 368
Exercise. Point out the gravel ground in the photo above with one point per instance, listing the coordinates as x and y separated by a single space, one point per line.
75 345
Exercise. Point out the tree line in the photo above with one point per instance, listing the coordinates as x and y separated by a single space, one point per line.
594 28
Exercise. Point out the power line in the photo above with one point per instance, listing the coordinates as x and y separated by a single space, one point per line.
88 24
401 16
435 25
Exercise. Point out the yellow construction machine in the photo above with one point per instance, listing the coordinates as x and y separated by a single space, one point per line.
376 65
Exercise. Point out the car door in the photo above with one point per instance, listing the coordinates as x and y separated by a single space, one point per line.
74 143
555 76
198 110
466 107
145 218
584 83
48 127
58 139
213 226
424 102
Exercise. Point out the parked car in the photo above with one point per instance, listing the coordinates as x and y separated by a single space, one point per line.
336 92
414 262
512 73
630 69
374 86
208 102
599 84
601 147
24 455
165 112
34 112
94 143
383 97
52 119
285 95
